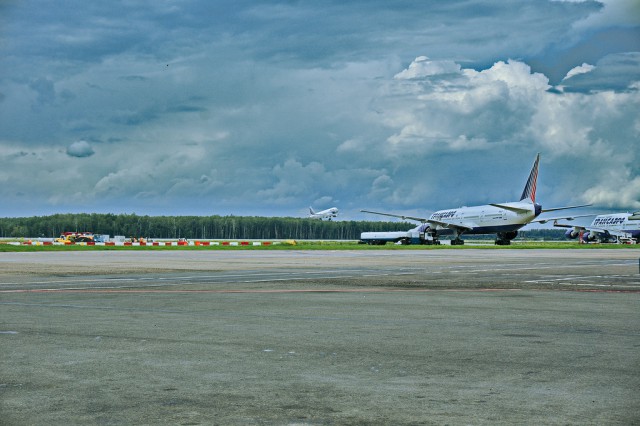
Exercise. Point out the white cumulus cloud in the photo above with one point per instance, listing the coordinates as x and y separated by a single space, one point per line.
422 66
582 69
80 149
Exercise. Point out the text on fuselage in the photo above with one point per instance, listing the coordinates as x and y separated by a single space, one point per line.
609 221
443 215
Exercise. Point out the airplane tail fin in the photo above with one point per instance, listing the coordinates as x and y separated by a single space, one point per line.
530 188
311 211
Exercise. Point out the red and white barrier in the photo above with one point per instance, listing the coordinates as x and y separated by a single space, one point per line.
149 243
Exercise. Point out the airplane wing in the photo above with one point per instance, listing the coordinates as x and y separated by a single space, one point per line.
417 219
607 232
517 209
563 225
548 219
510 208
459 226
565 208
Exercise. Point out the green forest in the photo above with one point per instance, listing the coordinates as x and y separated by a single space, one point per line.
192 227
211 227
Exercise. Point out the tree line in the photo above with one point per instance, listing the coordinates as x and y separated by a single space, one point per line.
192 227
213 227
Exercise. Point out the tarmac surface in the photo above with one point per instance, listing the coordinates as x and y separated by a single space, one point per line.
355 337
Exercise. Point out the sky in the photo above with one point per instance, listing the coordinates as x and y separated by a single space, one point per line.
265 108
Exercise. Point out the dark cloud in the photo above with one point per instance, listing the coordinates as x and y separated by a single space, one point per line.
559 59
617 72
45 90
229 105
134 78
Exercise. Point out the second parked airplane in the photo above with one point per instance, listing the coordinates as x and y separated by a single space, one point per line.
502 219
616 227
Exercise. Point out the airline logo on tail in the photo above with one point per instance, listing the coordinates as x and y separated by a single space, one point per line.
530 188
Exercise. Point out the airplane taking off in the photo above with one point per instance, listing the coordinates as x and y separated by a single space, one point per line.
503 219
606 228
324 214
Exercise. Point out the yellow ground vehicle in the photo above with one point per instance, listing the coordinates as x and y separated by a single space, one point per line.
75 237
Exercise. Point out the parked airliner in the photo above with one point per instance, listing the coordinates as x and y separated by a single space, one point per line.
324 214
616 227
503 219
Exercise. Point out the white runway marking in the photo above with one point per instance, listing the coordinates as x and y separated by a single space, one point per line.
197 279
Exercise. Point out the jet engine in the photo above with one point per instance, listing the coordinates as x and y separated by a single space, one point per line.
572 234
589 236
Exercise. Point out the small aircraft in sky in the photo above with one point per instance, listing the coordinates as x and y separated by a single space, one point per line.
616 227
323 214
502 219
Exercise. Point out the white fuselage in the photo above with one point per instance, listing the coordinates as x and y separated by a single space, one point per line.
484 219
618 222
328 213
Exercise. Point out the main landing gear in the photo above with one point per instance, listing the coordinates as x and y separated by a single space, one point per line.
504 238
457 241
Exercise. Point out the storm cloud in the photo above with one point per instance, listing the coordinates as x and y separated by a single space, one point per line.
266 108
